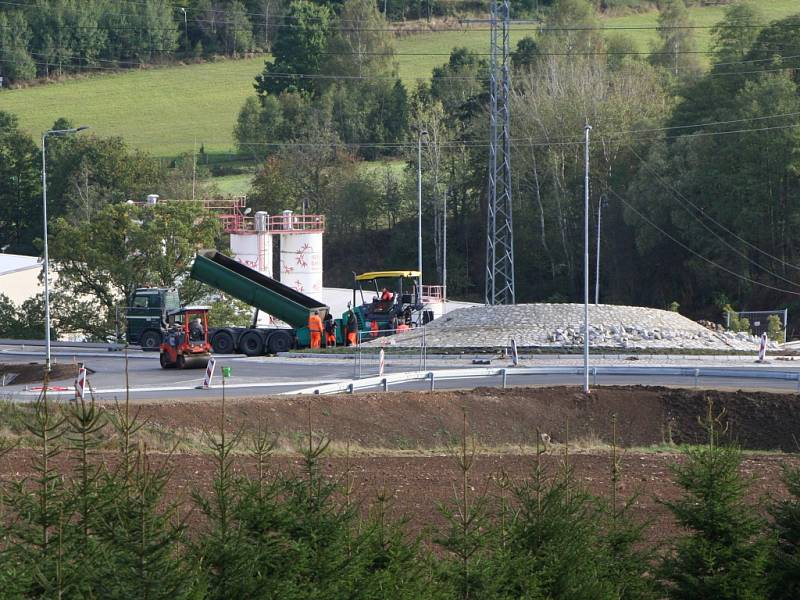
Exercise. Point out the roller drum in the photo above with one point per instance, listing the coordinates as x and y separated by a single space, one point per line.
196 362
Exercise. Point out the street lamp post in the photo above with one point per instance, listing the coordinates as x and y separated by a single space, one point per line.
586 131
419 207
185 27
444 255
57 132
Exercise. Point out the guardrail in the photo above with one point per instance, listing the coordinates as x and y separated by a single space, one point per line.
432 376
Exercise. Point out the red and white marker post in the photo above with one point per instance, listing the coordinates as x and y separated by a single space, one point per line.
80 383
209 373
381 363
762 348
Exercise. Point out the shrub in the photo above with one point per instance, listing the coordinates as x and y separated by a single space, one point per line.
775 330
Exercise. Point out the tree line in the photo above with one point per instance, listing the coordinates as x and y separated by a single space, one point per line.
98 517
51 38
47 38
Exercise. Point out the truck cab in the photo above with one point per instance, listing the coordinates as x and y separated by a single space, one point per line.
146 315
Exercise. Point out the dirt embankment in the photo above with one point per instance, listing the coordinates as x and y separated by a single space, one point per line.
34 372
498 418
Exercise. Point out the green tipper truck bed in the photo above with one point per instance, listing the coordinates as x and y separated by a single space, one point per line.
257 290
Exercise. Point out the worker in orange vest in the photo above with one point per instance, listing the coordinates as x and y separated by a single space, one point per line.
330 331
352 329
374 329
315 328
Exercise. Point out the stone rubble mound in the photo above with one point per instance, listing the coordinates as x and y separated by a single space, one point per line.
561 326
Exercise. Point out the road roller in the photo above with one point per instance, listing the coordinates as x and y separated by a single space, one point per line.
184 341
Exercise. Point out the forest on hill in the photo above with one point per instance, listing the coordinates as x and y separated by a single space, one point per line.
46 38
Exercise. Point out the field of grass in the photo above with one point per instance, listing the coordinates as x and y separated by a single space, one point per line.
233 185
165 111
168 111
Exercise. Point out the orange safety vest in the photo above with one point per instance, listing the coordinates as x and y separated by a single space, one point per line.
315 324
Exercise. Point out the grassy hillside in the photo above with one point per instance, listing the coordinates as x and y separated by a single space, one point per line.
167 111
164 111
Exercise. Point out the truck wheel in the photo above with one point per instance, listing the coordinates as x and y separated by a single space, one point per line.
251 344
222 342
280 341
150 340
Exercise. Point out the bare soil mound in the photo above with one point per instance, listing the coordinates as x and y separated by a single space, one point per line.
34 372
505 418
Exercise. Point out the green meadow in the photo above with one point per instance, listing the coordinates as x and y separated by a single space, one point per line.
173 110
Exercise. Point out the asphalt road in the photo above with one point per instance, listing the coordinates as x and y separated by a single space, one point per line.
273 375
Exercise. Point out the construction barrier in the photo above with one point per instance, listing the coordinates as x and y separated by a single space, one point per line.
762 348
80 383
209 373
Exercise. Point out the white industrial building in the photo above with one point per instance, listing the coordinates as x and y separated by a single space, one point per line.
20 277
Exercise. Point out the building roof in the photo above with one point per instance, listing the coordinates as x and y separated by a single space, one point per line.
10 263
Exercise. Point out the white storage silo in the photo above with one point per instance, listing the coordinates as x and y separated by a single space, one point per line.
301 253
253 248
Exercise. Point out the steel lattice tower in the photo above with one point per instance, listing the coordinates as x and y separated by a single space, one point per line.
499 226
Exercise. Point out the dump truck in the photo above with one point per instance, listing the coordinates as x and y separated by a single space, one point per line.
149 309
262 293
148 312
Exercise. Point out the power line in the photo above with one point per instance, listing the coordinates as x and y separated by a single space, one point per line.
677 194
467 143
697 254
720 238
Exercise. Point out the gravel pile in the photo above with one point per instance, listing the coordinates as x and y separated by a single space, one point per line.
561 326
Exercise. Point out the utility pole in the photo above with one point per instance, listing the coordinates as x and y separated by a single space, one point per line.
597 269
49 132
194 167
587 128
677 43
185 28
419 208
444 255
